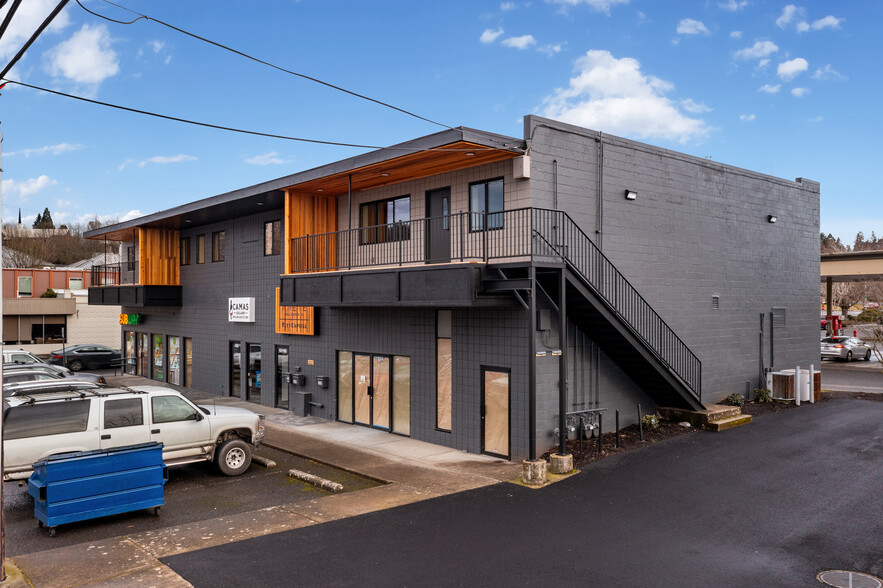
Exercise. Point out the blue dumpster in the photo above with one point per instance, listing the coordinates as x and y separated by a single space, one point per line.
85 485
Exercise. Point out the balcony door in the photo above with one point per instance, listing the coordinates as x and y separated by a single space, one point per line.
438 226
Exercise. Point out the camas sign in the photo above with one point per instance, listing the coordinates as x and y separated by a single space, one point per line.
240 310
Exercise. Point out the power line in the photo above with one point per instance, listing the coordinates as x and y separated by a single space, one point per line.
247 56
233 129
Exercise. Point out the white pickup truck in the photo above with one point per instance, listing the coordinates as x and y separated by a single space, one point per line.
40 425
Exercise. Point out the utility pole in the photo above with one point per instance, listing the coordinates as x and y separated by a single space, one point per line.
2 497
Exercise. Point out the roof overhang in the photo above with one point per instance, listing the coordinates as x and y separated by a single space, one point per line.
441 152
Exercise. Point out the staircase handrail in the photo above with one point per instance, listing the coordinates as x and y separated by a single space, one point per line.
587 261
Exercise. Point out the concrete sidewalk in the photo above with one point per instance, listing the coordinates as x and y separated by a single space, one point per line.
413 471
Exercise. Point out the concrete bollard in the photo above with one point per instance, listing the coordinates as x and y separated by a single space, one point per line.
561 464
533 473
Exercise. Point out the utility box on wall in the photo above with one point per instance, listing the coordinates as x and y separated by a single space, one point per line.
300 403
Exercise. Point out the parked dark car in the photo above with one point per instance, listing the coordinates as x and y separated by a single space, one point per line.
78 357
16 372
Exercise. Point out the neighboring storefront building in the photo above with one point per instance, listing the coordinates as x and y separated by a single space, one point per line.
420 289
41 325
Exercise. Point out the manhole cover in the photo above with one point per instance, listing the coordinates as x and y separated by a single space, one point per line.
842 579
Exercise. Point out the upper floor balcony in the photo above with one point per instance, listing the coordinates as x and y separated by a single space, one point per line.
150 279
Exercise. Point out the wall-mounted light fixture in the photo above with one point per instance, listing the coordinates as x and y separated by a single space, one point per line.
772 218
630 194
470 154
384 175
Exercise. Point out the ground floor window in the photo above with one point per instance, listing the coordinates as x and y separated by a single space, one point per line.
38 328
374 390
444 371
281 382
158 357
174 360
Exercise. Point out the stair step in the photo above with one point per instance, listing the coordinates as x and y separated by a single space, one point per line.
728 423
705 419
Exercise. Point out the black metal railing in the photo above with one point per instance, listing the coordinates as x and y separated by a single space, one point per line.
526 233
115 274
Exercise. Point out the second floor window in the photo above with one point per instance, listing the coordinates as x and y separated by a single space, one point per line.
486 197
185 250
25 287
385 221
200 249
273 238
218 246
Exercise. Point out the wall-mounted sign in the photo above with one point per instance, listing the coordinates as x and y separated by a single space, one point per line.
295 320
240 310
131 319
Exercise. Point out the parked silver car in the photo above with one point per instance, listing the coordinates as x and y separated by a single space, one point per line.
843 347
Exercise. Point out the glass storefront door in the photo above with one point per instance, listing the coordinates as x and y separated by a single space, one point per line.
174 360
235 369
159 357
495 412
188 361
374 390
253 373
281 382
144 355
131 353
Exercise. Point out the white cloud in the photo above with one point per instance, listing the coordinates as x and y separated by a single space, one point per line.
788 70
694 107
788 14
613 95
57 149
770 89
599 5
735 34
29 16
829 22
85 58
157 46
490 35
799 92
167 159
522 42
27 188
827 73
63 203
550 50
746 117
504 6
759 50
733 5
132 214
816 119
763 63
802 26
266 159
688 26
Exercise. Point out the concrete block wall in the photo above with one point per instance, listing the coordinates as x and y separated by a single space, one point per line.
697 229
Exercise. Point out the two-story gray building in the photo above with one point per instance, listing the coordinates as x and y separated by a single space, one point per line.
423 289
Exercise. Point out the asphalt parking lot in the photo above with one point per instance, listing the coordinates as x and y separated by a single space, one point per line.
194 492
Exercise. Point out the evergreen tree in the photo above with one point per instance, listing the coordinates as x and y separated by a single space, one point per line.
38 221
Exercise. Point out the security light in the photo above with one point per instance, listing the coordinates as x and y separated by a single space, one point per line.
772 218
630 194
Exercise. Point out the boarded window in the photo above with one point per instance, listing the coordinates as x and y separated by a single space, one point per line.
778 316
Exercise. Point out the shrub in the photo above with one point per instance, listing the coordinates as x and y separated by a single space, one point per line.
735 400
870 315
49 293
762 395
650 421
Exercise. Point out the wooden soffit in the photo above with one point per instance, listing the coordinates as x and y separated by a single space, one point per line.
413 166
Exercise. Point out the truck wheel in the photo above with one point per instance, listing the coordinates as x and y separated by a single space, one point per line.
233 457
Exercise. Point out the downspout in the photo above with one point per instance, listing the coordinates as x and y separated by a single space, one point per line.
562 363
599 222
532 368
349 221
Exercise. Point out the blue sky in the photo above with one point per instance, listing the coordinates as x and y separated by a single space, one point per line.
786 89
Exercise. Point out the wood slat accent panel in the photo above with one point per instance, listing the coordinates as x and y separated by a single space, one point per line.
310 214
158 263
